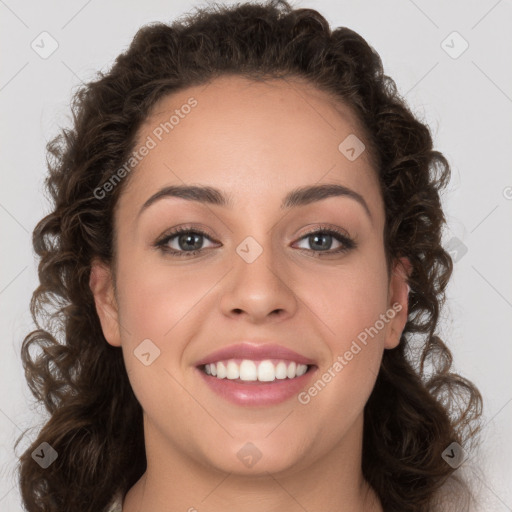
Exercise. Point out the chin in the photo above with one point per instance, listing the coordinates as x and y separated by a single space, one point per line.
258 457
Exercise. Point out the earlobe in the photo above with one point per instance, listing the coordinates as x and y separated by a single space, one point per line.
102 288
398 301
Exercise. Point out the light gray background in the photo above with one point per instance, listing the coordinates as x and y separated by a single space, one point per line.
466 100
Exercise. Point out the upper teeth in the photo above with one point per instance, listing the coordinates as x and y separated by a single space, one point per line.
264 371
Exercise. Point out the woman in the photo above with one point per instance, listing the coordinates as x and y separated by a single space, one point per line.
246 247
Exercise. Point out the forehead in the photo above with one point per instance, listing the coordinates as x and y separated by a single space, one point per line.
249 138
266 108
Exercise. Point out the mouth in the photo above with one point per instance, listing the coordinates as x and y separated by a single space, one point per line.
252 383
256 371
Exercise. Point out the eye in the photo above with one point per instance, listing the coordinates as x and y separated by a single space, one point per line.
187 243
321 239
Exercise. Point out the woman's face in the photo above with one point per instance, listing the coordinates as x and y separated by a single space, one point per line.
265 274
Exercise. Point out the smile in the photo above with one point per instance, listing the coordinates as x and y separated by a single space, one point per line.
248 370
254 373
251 383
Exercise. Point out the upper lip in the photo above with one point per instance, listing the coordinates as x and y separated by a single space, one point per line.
248 350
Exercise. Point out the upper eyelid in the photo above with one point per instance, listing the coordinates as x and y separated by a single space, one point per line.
204 231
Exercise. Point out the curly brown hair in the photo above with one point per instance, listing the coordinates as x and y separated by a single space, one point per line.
418 406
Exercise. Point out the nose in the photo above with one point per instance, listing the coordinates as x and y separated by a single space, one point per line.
259 290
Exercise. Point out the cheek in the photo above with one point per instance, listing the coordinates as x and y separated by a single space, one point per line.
154 299
162 306
350 298
355 342
351 303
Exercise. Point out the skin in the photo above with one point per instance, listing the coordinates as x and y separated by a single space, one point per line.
255 141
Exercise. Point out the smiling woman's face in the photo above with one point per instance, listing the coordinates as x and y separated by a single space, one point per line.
258 276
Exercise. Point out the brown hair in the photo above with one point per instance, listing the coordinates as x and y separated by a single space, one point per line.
418 406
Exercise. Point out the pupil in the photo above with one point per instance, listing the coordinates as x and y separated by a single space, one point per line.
186 239
316 237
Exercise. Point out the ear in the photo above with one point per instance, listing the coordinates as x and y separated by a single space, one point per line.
398 301
102 287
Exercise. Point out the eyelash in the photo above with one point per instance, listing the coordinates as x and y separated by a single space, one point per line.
348 243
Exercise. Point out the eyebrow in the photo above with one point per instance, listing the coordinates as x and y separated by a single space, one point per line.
298 197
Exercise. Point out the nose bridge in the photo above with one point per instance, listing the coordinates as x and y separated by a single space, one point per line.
257 261
258 285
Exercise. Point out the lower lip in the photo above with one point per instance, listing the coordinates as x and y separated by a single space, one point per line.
256 393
